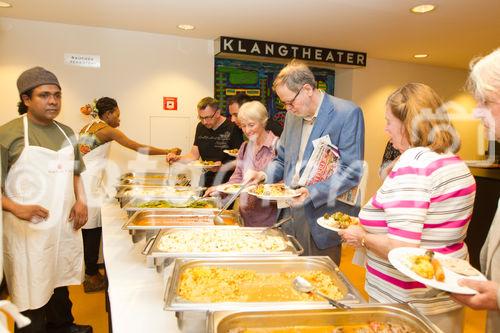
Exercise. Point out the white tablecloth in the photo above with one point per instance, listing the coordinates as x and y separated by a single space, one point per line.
135 291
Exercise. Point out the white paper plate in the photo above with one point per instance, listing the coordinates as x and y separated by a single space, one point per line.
399 258
326 224
227 151
292 194
229 188
197 164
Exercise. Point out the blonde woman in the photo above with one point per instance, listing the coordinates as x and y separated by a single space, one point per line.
254 154
426 201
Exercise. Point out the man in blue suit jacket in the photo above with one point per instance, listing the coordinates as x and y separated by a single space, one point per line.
313 114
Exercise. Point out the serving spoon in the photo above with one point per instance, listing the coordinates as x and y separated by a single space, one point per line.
302 285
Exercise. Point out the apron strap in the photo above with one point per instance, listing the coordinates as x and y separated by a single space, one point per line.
26 138
25 127
64 133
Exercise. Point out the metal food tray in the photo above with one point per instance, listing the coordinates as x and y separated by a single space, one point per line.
130 175
224 322
262 264
293 247
143 182
124 191
133 205
205 218
125 194
180 179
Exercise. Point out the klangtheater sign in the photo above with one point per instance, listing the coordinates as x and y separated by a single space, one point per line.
260 48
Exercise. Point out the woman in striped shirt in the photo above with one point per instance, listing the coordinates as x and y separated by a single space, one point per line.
426 201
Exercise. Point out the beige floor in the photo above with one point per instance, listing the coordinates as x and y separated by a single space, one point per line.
90 308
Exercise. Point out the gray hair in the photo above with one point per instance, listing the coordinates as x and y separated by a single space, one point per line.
484 78
294 76
254 111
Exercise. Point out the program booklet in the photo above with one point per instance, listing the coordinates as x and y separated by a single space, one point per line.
322 164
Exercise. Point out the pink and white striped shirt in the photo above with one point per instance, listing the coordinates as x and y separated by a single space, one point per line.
426 200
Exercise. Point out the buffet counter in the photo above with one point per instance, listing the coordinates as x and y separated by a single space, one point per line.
135 291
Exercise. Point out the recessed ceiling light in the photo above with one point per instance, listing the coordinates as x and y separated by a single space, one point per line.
421 9
422 55
4 4
185 26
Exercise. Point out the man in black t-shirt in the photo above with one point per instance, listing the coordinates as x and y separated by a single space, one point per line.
214 134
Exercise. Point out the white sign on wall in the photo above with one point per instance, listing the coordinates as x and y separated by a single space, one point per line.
83 60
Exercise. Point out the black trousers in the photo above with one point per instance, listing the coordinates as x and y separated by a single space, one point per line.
91 245
53 317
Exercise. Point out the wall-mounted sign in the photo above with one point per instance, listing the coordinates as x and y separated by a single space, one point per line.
83 60
260 48
170 103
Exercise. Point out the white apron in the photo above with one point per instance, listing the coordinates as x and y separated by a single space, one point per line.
41 257
95 163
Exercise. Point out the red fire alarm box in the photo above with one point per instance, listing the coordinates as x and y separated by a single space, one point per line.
170 103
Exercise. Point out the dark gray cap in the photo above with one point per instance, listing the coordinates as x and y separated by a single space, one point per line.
35 77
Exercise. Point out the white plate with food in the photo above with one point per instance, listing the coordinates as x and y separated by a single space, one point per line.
204 164
229 188
231 152
272 192
434 269
337 221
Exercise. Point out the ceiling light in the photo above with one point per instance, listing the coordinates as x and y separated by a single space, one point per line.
4 4
185 26
421 9
422 55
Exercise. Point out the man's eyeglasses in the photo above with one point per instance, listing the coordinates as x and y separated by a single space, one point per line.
290 103
207 117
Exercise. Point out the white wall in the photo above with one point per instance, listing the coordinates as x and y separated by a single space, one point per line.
371 86
137 69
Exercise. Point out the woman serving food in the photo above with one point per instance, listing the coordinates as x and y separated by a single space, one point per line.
94 143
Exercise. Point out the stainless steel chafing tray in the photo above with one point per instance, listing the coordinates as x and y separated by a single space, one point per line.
225 322
174 193
192 317
130 175
292 246
145 223
180 179
264 265
133 205
154 219
142 181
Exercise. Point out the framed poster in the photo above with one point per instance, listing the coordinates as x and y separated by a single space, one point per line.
255 79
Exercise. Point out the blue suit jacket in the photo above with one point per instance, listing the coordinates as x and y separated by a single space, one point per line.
343 121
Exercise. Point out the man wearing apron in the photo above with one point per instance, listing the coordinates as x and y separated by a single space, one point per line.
44 207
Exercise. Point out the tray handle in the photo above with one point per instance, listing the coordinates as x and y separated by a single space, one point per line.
296 244
419 314
148 246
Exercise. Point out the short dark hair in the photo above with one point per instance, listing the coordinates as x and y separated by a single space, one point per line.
21 107
239 98
105 104
208 101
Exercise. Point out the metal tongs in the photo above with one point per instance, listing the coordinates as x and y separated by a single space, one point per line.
217 219
277 224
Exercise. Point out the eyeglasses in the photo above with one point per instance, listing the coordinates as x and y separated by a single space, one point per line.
290 103
207 117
